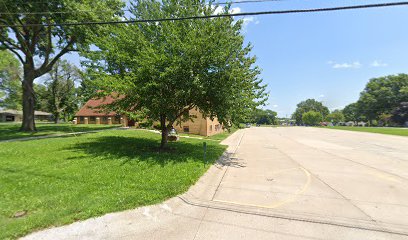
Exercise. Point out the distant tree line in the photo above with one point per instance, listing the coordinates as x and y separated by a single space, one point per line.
383 102
262 116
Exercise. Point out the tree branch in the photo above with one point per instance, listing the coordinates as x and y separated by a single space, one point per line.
49 47
3 39
17 54
47 67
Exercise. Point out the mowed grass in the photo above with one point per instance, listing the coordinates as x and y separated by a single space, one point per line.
11 130
56 181
382 130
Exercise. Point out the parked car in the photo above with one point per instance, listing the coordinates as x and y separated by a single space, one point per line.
248 125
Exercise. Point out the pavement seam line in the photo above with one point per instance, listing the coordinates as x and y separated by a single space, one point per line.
314 175
295 218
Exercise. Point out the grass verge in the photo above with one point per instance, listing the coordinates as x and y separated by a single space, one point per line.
11 130
56 181
382 130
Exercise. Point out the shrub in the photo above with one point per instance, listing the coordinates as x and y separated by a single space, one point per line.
312 118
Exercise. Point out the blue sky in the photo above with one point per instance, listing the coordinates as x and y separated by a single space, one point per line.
329 56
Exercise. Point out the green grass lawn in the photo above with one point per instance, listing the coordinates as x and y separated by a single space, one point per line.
60 180
10 130
386 130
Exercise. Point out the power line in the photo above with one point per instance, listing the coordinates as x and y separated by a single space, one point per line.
379 5
127 10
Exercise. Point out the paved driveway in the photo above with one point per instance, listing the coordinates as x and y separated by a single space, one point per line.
279 183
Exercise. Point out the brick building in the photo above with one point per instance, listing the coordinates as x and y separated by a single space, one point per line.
200 125
91 113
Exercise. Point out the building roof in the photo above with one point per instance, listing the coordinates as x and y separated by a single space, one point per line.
17 112
92 108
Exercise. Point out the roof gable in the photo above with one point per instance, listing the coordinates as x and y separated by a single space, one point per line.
93 107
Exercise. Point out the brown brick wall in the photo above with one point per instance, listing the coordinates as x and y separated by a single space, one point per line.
199 125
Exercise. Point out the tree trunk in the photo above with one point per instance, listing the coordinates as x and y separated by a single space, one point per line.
56 118
165 132
28 124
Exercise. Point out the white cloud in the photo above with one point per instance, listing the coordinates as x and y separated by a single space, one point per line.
377 63
321 96
275 106
336 108
234 10
220 10
355 64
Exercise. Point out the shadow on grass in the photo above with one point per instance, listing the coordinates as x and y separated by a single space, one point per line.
11 131
130 149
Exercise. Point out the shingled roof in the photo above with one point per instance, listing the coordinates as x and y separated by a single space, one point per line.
92 108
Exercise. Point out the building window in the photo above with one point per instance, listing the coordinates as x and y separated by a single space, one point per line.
92 119
186 129
210 127
81 119
117 118
10 118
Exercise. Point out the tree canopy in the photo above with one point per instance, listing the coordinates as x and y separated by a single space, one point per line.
335 117
400 114
38 46
61 94
261 116
162 70
10 81
312 118
382 95
380 100
309 105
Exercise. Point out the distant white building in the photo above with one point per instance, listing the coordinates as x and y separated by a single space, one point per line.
362 124
10 115
350 123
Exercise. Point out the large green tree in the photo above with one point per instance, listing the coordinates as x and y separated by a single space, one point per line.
10 81
61 94
312 118
400 114
261 116
309 105
351 113
161 70
382 95
26 29
335 117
